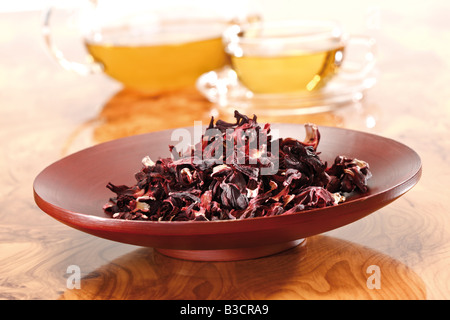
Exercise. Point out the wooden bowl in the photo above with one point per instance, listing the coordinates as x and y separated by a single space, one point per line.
73 191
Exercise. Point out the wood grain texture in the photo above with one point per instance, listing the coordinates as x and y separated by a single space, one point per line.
323 268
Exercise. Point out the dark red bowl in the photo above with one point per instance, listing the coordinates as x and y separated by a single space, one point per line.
73 191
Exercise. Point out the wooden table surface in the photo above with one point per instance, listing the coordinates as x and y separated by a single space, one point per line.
47 113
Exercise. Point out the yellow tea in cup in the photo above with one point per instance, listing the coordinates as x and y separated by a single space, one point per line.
171 56
285 57
147 45
287 73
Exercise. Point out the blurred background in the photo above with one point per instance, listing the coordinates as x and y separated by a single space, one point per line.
412 43
412 59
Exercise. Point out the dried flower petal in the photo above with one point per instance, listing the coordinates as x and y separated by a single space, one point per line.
195 187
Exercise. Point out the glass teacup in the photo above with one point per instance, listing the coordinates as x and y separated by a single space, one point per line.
289 62
286 56
150 45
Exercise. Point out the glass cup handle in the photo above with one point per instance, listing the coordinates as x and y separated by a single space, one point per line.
354 70
78 67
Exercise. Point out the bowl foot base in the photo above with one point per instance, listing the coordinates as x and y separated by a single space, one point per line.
231 254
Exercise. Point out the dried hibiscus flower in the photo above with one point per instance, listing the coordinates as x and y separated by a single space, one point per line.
238 171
